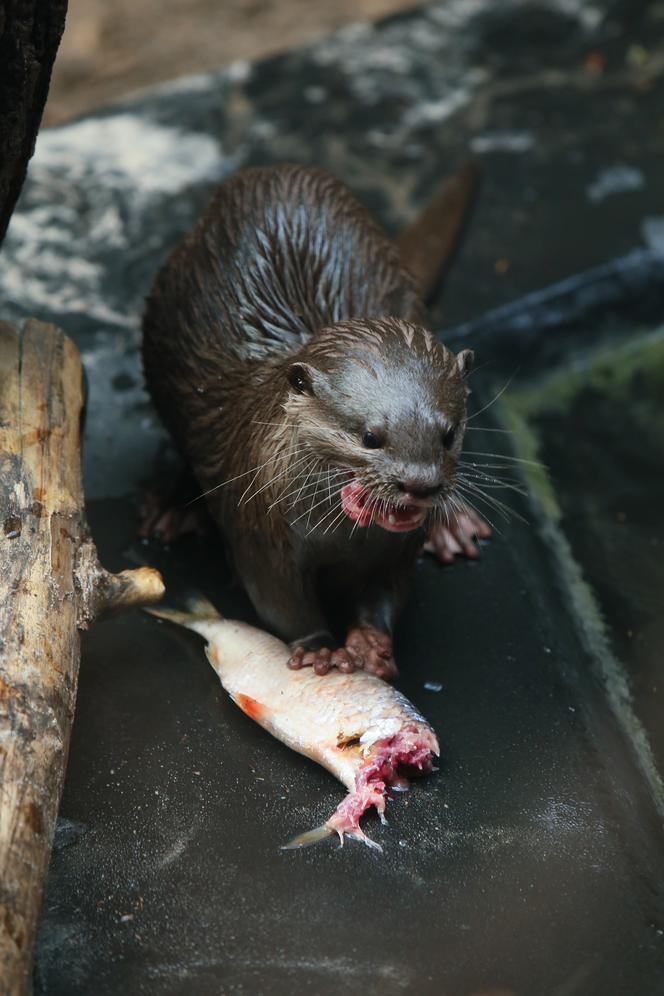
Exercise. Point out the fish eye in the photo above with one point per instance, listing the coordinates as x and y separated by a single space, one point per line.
371 440
449 438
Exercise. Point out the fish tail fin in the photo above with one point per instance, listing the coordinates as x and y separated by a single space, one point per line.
310 837
361 836
201 607
198 609
326 830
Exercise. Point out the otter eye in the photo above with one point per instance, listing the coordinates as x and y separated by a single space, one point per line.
448 438
371 441
300 378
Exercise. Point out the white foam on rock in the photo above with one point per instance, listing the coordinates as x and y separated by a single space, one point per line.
617 179
90 184
502 141
652 230
129 151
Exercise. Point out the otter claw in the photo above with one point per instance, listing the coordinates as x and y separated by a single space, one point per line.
296 659
459 537
375 650
366 649
346 661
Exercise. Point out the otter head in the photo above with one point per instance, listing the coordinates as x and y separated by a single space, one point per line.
382 405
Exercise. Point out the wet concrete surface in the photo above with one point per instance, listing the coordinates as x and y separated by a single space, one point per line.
610 484
532 862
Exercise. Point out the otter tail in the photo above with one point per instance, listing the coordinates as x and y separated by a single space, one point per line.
428 245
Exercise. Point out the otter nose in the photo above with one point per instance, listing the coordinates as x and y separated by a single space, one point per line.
418 488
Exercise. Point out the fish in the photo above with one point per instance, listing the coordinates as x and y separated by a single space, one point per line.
362 730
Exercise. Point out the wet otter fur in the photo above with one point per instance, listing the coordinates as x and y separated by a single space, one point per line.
287 349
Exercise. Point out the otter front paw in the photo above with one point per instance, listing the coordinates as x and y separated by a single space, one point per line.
366 649
323 660
458 537
167 522
375 651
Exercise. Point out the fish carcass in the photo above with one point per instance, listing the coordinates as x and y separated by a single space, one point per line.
361 729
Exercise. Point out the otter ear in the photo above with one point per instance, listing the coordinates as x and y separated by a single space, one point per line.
301 378
465 361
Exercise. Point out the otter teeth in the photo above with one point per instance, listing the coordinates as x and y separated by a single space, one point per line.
392 519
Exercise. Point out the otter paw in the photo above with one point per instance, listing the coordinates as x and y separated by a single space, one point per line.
324 660
318 659
374 649
458 537
164 522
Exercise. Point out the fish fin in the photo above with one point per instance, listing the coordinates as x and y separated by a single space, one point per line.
361 836
201 607
254 709
198 610
212 655
171 615
310 837
250 706
320 833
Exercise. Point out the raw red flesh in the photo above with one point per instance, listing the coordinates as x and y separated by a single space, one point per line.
381 772
357 503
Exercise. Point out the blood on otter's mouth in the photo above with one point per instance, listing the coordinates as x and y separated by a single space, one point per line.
360 505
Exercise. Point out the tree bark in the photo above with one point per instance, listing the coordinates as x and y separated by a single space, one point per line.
51 585
30 32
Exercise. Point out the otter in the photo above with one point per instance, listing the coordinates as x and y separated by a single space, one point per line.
287 348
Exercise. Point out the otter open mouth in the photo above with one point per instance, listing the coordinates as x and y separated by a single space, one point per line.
361 506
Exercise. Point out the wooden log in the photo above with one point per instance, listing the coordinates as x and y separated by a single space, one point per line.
30 32
51 586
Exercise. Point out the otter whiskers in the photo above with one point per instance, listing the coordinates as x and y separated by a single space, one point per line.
491 481
494 399
299 483
322 481
484 428
286 470
230 480
467 489
335 520
308 512
331 496
464 502
503 456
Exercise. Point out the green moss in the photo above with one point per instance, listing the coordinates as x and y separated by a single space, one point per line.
526 442
617 371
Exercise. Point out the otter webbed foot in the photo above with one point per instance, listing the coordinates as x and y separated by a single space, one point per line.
171 509
375 650
315 651
322 660
366 649
159 520
459 536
